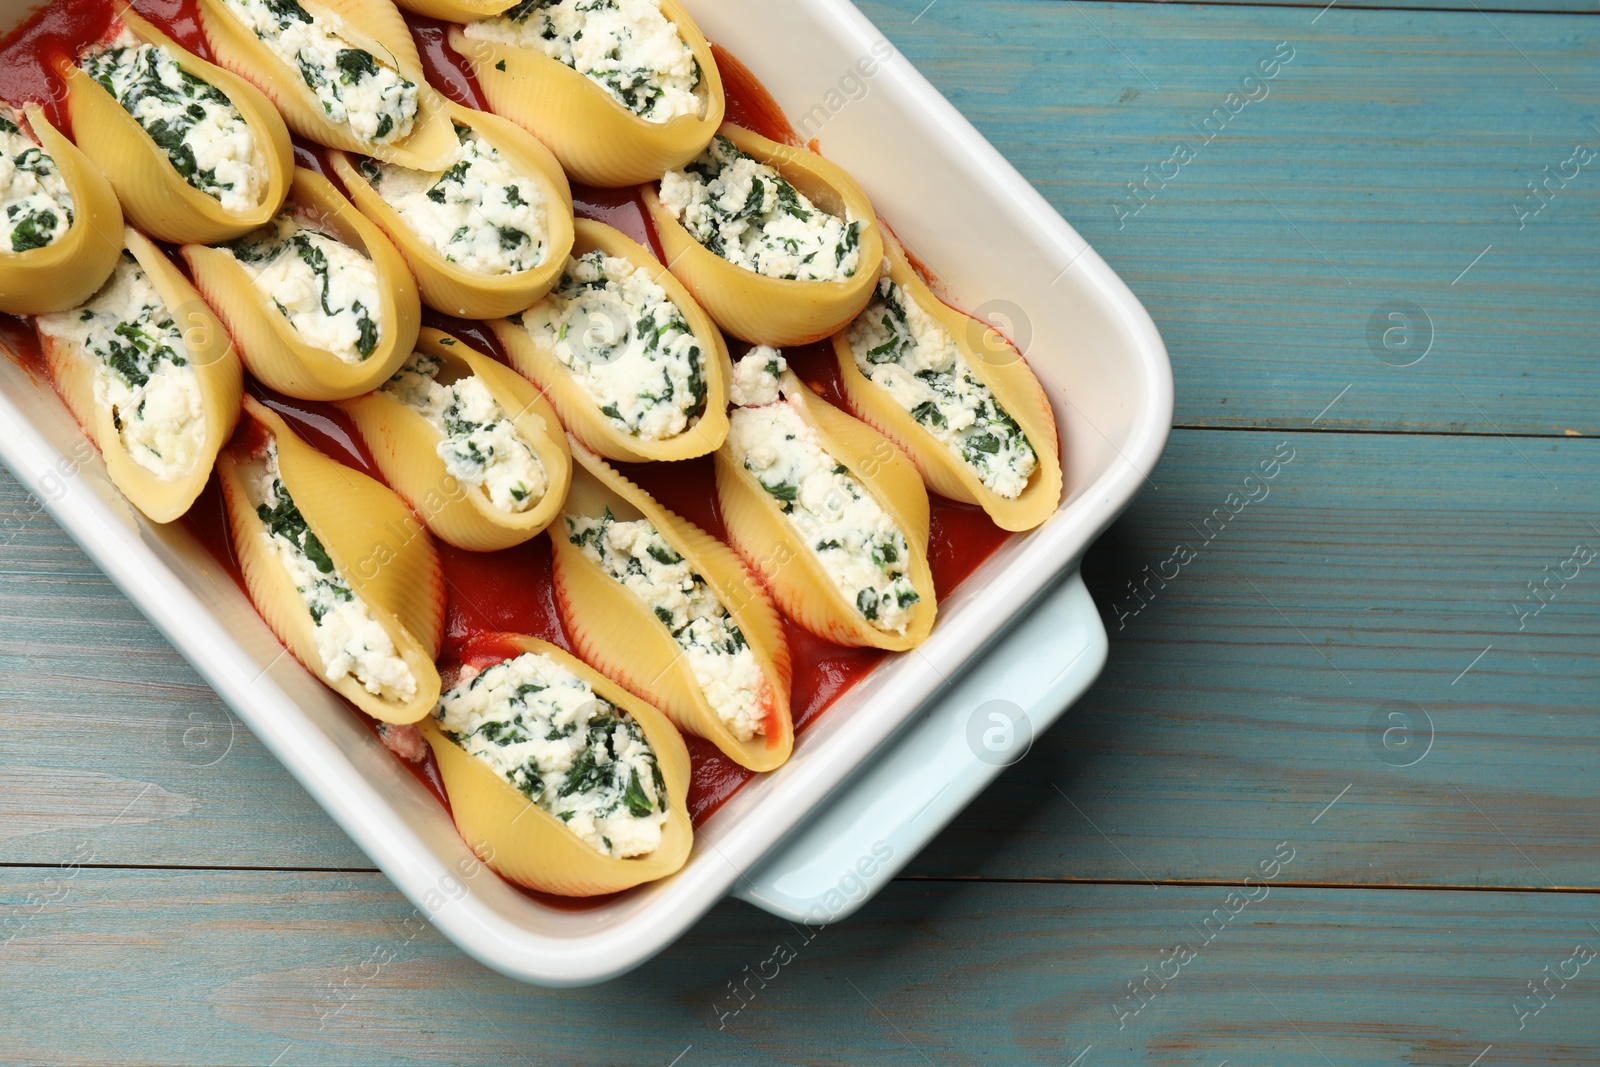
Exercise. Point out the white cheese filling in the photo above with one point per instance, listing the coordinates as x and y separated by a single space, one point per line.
355 88
908 353
637 556
544 731
859 546
481 447
480 214
627 47
348 635
627 345
142 372
204 136
749 214
327 290
756 378
35 203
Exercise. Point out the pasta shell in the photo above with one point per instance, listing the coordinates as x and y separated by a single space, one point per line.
526 844
597 139
579 410
220 380
405 446
771 545
380 551
68 271
154 195
998 366
621 635
271 346
454 289
456 10
373 26
776 311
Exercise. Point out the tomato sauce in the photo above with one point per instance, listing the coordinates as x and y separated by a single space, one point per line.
749 103
493 593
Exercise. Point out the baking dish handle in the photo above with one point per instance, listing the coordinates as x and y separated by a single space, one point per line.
980 724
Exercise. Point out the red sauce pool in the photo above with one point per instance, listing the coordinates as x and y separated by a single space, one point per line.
488 594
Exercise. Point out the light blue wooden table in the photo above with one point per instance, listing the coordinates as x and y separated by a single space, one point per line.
1373 691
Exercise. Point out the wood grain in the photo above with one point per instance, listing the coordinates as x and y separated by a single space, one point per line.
1265 676
1520 7
1384 158
286 968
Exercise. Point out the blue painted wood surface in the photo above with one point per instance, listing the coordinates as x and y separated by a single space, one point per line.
1311 677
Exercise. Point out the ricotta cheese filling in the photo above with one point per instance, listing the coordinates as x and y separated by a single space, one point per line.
627 345
142 373
349 637
204 136
481 446
355 88
35 203
551 738
480 213
749 214
859 546
327 290
637 556
910 354
627 47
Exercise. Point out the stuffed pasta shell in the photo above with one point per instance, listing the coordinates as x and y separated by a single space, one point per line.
344 73
487 233
781 246
955 396
321 305
559 780
636 369
150 374
337 567
195 152
60 223
827 509
471 446
664 608
620 91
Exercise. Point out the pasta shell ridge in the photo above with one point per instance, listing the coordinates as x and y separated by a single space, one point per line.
68 271
577 408
777 311
270 345
526 844
598 141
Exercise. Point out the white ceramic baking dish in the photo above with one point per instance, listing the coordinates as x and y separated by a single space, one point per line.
894 759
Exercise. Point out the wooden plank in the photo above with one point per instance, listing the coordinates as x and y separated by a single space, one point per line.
1521 7
295 969
1320 640
98 711
1379 164
1219 725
